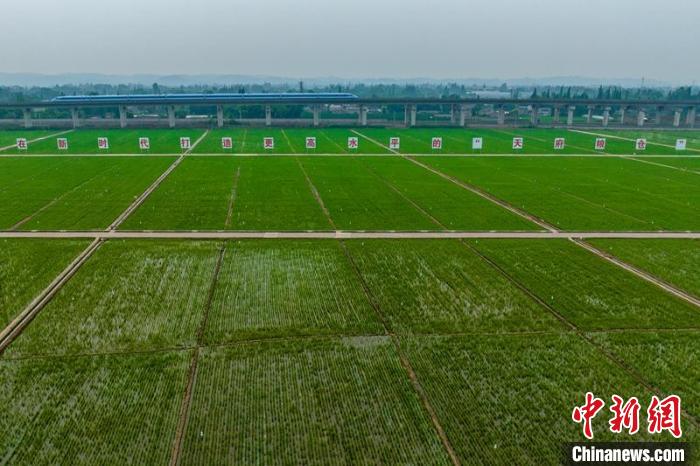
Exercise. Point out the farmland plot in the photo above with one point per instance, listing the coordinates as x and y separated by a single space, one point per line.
121 141
195 196
309 402
91 410
272 288
508 399
72 193
357 201
9 138
27 266
669 361
586 193
674 261
438 286
273 195
587 290
131 295
451 205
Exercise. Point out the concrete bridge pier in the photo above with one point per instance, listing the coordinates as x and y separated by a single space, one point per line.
362 115
220 116
606 116
410 116
171 116
676 118
570 116
556 115
75 116
464 113
690 118
589 115
641 116
268 115
316 110
623 110
122 116
28 118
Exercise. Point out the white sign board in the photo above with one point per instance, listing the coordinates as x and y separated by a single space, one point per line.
226 143
353 143
311 143
21 144
62 143
102 143
559 143
681 144
641 144
185 143
477 143
436 144
144 143
394 143
600 144
268 143
518 143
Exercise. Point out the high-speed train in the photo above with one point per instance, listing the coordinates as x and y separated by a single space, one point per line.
203 98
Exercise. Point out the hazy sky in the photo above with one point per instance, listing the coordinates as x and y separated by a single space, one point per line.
356 38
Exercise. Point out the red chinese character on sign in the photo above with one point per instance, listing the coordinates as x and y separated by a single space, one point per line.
600 144
22 144
353 143
625 415
665 415
559 143
62 143
641 144
269 143
144 143
518 143
311 143
394 143
102 143
585 414
437 143
227 143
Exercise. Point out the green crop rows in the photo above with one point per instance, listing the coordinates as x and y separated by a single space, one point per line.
339 351
26 267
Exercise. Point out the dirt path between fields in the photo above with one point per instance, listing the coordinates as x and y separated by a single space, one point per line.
56 200
232 200
14 328
38 139
640 273
140 200
622 138
186 404
342 234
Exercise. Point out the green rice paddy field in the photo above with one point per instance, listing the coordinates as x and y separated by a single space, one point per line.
335 141
340 351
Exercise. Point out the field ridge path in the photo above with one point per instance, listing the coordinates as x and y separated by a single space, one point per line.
19 323
186 404
667 287
348 234
403 359
623 138
140 200
488 196
31 141
584 335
